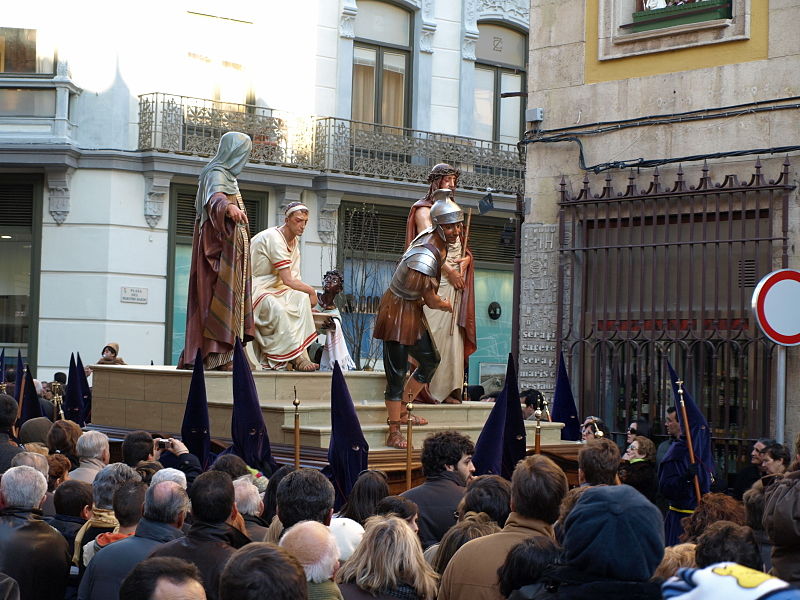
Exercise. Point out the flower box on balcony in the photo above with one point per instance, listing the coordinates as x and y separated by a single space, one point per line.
681 14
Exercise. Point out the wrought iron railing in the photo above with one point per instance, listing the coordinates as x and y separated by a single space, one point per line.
181 124
375 150
185 125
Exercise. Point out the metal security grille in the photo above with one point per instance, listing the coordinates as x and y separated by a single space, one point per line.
380 231
667 274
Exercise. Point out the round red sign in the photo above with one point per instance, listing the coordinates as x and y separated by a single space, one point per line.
775 304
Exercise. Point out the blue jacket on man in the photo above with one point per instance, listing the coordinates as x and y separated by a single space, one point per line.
111 565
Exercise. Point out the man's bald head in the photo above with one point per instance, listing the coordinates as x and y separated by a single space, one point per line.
189 589
166 502
314 546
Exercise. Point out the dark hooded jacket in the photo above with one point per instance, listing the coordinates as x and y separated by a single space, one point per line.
613 542
782 524
33 553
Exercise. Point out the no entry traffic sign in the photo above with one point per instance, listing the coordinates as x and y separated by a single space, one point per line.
776 305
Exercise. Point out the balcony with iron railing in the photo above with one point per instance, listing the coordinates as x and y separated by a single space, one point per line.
193 126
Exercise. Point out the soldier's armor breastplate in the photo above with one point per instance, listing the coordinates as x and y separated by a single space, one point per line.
421 257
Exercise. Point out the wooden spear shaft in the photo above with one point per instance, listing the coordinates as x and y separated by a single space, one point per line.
14 427
689 442
459 293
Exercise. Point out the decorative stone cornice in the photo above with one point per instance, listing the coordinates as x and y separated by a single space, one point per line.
285 195
428 26
328 202
511 11
347 20
157 189
58 178
471 34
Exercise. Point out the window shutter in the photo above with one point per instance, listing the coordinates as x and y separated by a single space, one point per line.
186 214
16 205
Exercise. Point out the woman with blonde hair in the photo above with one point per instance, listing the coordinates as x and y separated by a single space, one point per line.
675 557
388 563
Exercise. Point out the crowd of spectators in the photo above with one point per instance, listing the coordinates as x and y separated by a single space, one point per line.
76 524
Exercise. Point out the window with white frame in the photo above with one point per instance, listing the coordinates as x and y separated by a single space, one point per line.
499 69
381 64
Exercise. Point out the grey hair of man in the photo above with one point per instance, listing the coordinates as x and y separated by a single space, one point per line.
314 546
109 480
32 459
165 502
169 474
248 500
23 487
92 444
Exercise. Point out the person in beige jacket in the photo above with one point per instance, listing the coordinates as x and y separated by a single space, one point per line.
93 454
537 487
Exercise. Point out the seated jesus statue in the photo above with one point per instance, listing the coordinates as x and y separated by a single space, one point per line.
282 302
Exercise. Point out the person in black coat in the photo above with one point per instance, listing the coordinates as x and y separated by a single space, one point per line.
31 552
73 504
447 462
210 541
638 467
747 476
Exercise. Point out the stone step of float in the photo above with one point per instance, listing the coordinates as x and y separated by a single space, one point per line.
320 436
375 413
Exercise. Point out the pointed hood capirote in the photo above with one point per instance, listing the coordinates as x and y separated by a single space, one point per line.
348 449
248 431
195 430
73 399
700 432
564 410
502 442
220 174
29 407
86 391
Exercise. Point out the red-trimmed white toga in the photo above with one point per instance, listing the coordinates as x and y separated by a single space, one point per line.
284 324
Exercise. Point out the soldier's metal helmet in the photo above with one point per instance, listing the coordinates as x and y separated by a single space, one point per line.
442 170
444 210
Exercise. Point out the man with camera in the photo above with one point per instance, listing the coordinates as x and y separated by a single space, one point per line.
140 446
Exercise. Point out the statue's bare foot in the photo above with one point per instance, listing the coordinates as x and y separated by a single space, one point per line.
301 363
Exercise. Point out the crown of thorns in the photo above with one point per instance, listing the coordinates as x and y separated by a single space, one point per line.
442 170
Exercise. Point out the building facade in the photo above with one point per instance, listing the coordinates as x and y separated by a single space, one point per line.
349 103
663 186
